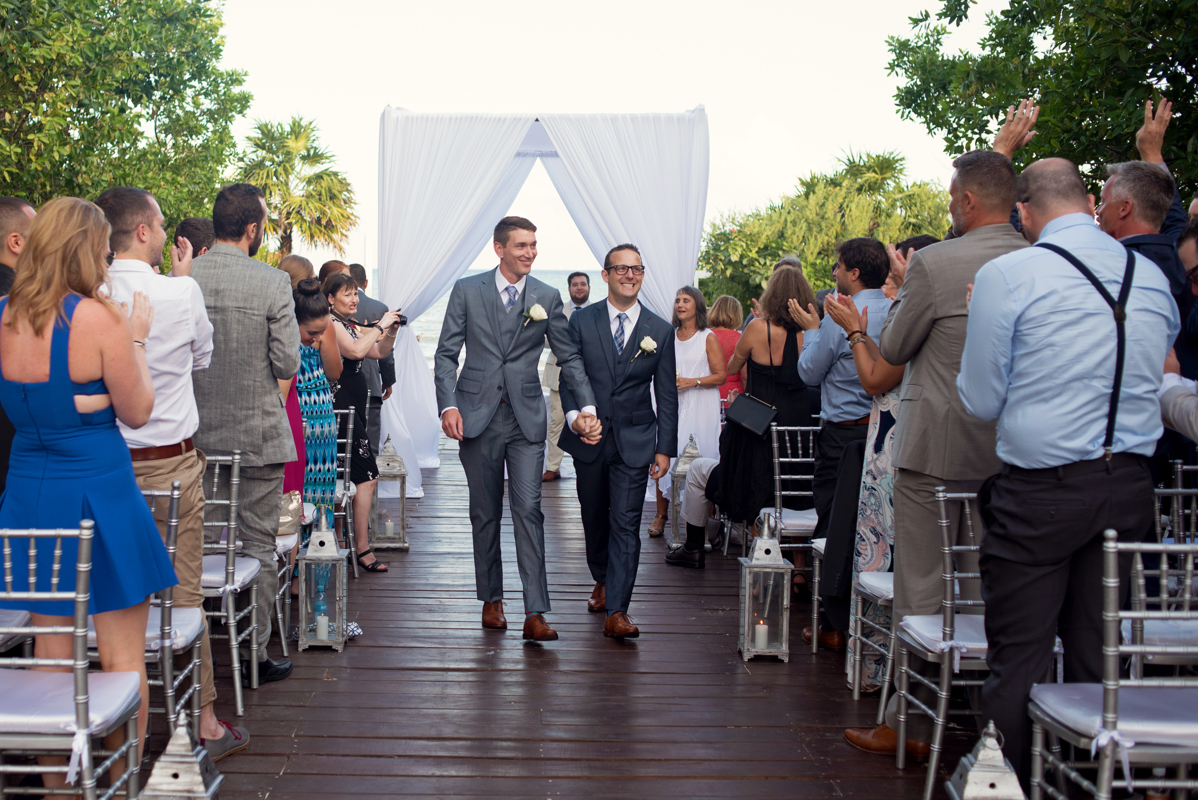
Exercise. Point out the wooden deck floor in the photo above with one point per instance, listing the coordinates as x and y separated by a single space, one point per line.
427 703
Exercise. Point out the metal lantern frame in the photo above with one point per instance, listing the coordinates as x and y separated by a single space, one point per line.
682 465
765 560
391 468
322 550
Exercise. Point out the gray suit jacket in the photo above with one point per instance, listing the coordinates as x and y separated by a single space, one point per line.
926 331
1179 411
552 372
498 366
256 344
379 372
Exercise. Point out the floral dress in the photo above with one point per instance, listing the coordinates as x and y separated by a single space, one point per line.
316 407
874 548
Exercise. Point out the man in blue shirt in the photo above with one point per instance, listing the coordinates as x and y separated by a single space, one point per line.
827 361
1040 357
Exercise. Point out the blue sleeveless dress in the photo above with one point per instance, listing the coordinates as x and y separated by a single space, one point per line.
66 466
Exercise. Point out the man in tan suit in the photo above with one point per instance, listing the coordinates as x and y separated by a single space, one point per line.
936 442
579 284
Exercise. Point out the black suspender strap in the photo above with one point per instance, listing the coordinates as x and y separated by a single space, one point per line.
1119 310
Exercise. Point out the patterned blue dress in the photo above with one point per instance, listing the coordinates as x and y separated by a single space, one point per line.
316 407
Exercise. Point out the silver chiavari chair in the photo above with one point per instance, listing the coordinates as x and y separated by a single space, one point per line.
226 574
794 464
1132 720
63 713
876 588
12 618
346 490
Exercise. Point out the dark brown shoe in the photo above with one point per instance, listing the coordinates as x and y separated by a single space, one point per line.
550 476
833 640
598 600
883 741
619 626
493 616
537 629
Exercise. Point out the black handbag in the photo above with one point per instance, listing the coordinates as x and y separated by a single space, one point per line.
747 411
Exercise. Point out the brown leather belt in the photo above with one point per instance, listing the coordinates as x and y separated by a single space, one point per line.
863 421
166 451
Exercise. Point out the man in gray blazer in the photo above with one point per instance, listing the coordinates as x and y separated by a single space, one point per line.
379 372
936 443
255 345
579 286
495 408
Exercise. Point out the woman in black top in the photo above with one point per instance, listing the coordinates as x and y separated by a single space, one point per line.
358 342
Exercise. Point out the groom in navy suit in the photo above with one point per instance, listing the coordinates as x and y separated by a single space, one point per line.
626 349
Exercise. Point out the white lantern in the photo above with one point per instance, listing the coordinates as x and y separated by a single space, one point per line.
391 468
765 597
184 771
984 774
322 590
682 465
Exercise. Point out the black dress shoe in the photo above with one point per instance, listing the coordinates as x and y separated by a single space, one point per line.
268 671
685 557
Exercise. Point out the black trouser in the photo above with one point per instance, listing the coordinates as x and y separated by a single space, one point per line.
1041 566
829 446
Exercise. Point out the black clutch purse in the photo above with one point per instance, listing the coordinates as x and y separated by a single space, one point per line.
751 414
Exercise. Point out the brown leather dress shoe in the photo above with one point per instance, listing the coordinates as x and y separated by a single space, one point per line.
537 629
883 741
550 475
598 599
833 640
619 626
493 616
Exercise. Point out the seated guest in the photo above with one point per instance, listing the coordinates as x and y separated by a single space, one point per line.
68 460
726 318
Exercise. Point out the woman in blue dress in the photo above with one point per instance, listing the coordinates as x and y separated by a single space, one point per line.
70 366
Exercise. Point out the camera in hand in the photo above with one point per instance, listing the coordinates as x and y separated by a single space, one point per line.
402 320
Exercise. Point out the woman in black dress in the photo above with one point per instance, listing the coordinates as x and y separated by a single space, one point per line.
358 342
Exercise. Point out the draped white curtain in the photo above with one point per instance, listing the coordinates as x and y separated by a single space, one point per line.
639 178
444 181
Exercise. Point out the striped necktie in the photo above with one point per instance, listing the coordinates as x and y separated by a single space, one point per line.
511 298
620 318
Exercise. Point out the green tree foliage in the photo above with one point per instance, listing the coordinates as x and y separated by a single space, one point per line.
1090 64
99 93
867 196
305 195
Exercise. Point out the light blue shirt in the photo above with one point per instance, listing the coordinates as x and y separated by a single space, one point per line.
826 361
1040 349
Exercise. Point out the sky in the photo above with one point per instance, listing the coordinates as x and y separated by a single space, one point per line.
788 86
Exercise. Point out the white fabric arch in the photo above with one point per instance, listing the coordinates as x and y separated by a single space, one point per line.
446 179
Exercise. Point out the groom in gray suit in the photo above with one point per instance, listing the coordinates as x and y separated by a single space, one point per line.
495 408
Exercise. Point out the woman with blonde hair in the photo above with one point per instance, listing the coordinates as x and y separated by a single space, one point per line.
726 318
71 364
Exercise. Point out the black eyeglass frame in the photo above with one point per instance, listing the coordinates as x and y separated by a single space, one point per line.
622 269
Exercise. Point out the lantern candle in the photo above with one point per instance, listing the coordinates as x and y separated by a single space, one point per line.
390 528
761 635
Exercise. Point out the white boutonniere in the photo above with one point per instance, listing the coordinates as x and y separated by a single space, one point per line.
534 314
647 346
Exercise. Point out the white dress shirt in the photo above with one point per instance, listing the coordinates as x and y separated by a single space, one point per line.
501 284
180 342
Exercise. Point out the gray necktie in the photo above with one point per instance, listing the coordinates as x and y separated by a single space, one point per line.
620 318
511 298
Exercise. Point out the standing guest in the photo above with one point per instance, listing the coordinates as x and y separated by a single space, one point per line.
701 371
256 344
768 352
579 286
71 365
294 472
826 360
629 361
904 250
199 232
1044 368
331 268
357 343
15 217
497 411
163 451
726 319
785 261
379 372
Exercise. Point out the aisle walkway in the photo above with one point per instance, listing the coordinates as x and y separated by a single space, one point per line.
429 704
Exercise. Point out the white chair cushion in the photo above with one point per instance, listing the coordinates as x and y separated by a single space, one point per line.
245 572
1147 715
795 521
817 547
283 544
187 624
308 516
12 618
44 702
926 630
1163 632
878 585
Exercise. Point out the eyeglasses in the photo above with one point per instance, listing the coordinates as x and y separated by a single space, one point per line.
622 269
110 257
1192 276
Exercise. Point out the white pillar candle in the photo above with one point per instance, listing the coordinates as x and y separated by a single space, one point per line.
389 528
761 635
322 627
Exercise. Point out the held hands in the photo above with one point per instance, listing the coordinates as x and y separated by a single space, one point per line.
660 465
843 312
1171 363
181 257
451 423
1018 129
588 427
1150 138
141 316
898 266
807 319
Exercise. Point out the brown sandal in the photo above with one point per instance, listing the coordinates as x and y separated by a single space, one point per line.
655 529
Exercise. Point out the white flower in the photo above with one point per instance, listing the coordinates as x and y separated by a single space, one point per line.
536 313
648 345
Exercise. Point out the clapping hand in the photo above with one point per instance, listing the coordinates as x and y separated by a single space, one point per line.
1150 138
588 427
807 319
181 257
898 266
843 312
756 309
968 296
141 316
1018 129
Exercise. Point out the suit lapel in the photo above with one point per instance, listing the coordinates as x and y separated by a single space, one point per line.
632 343
485 297
606 344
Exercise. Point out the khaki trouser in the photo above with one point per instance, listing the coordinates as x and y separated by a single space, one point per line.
557 422
188 469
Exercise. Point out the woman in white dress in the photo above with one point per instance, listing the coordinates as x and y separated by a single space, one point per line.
702 370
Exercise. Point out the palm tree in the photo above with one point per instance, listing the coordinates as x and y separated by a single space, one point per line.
304 195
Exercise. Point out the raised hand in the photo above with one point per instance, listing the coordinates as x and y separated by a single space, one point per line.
389 319
756 309
1150 138
807 319
1018 129
181 257
898 265
843 312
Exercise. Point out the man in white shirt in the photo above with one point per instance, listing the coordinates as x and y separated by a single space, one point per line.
180 342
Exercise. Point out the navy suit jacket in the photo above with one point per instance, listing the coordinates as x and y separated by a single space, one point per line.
622 387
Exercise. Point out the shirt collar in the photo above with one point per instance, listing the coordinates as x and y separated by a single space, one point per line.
131 265
613 312
869 294
1067 221
501 283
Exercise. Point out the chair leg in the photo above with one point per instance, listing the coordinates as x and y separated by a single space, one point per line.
1106 772
234 653
939 722
196 685
349 534
727 532
254 636
900 753
888 674
133 759
166 665
1037 761
855 641
815 571
284 589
